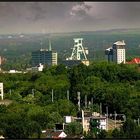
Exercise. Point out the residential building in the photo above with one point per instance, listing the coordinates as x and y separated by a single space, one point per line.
116 53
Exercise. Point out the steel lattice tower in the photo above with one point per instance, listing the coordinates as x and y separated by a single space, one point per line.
78 52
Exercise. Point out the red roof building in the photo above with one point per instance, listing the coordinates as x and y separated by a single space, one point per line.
134 61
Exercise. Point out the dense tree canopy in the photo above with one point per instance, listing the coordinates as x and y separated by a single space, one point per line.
115 86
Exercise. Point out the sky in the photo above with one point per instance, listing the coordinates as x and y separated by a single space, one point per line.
52 17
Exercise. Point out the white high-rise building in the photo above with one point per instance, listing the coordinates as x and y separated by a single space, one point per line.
117 52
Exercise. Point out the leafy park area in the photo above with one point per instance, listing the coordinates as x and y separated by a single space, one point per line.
33 110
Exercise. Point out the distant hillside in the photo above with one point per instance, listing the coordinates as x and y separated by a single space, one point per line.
13 46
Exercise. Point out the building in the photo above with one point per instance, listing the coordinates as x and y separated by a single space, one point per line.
84 117
14 71
109 53
134 61
102 121
55 134
88 116
116 53
45 57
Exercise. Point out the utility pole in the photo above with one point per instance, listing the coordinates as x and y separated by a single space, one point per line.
33 92
52 95
1 91
67 94
115 117
10 91
107 118
100 108
85 101
78 100
138 121
92 103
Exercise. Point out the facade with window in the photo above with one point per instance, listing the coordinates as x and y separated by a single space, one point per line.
116 53
45 57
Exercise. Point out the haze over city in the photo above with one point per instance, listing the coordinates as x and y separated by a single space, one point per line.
44 17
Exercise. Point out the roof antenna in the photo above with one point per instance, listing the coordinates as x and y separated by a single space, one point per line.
50 47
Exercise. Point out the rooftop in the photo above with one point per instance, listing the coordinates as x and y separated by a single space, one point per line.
120 43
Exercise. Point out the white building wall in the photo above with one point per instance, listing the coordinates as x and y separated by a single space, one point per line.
120 56
103 124
54 58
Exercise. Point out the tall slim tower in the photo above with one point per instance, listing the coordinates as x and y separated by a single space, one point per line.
1 90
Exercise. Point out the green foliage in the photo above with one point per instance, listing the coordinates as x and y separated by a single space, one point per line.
14 96
3 109
74 129
117 133
102 134
94 127
129 128
115 86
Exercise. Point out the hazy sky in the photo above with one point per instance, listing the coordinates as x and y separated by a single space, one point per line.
27 17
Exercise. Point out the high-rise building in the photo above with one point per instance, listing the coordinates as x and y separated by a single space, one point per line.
45 57
116 53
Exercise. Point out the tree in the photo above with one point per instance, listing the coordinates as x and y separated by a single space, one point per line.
129 127
94 128
74 129
102 134
117 133
34 128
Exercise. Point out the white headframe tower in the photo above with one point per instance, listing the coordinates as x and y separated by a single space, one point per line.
78 52
1 90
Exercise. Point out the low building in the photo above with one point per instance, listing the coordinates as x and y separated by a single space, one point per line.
14 71
55 134
86 117
39 67
134 61
102 120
